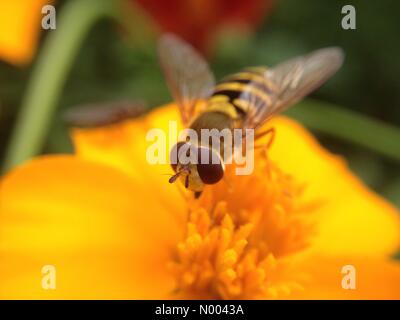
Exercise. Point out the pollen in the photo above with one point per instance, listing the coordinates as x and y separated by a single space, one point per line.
242 235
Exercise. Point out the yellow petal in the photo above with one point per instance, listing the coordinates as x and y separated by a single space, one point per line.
106 234
20 24
374 278
107 220
123 146
353 219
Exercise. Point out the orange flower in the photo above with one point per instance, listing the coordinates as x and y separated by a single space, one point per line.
20 24
197 21
114 228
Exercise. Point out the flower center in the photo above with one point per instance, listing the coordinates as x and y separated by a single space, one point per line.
242 234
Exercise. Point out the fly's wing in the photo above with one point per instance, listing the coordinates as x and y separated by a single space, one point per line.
187 74
289 82
102 114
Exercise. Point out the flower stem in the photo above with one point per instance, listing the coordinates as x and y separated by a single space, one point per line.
350 126
49 75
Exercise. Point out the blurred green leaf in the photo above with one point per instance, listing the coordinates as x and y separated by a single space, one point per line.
350 126
392 192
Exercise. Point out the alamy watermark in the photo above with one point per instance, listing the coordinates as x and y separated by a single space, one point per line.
349 277
349 18
48 277
49 19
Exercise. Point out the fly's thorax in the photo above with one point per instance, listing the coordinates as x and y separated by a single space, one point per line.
212 120
214 130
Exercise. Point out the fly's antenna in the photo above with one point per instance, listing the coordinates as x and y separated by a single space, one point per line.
175 176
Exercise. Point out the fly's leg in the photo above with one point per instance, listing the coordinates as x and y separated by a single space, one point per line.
259 135
266 146
197 194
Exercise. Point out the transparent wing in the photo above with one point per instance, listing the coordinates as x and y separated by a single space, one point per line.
102 114
187 74
289 82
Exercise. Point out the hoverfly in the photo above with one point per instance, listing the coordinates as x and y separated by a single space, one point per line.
245 100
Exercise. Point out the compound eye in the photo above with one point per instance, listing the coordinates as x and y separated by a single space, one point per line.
209 167
176 153
173 155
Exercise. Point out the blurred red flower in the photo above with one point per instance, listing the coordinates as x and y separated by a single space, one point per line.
198 21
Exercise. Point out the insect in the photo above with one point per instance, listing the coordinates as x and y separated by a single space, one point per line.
245 100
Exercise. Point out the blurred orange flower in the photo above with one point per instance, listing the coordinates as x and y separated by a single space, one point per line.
20 25
114 228
198 21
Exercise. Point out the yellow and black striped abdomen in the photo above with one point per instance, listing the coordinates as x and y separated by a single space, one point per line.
230 96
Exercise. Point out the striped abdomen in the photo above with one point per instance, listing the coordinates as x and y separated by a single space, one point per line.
229 104
240 93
